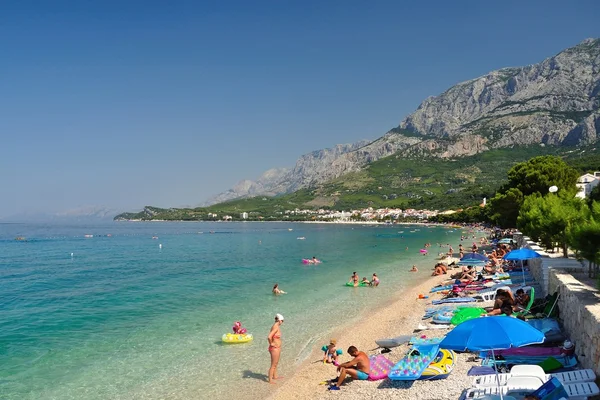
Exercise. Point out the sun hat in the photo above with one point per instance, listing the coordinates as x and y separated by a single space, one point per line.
279 317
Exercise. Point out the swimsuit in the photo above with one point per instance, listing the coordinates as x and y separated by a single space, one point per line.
275 347
362 376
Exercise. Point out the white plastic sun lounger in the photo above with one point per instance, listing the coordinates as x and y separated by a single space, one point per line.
523 385
580 375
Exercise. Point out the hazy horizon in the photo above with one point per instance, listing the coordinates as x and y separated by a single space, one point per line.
122 105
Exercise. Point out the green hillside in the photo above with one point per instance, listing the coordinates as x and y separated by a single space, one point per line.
430 183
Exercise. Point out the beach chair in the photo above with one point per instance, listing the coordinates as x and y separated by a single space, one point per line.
565 378
522 387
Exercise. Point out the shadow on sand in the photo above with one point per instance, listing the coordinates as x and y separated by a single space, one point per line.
253 375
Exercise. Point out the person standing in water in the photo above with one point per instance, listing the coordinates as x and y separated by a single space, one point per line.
274 340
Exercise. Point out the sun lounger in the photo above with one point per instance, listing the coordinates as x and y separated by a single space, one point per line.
564 360
575 391
576 376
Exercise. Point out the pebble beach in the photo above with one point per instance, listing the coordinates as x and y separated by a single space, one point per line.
399 317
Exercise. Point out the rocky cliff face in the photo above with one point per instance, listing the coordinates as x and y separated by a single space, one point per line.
555 102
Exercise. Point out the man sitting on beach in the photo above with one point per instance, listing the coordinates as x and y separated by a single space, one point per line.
358 368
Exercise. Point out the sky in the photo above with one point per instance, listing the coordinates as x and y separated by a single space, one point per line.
130 103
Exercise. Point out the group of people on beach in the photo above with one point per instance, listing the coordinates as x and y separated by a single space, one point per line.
506 303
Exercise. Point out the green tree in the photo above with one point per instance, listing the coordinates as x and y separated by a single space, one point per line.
534 176
585 238
504 207
548 219
540 173
594 195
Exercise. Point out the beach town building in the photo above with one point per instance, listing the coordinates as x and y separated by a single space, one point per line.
244 215
586 183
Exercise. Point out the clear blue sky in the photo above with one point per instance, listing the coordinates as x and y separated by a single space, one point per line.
127 103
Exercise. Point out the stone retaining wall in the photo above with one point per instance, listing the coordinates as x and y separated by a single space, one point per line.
579 306
579 303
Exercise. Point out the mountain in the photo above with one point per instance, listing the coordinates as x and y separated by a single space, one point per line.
83 214
310 168
555 102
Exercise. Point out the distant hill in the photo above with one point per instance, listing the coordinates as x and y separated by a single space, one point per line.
392 182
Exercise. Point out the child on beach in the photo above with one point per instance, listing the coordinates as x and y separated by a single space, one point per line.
414 269
331 353
365 281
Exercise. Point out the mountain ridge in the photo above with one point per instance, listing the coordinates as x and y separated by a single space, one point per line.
554 102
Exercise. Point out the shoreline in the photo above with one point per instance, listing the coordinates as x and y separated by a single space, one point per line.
398 316
449 225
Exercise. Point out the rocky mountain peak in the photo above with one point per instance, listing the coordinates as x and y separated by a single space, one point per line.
554 102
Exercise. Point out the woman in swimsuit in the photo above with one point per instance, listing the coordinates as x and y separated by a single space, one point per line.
354 279
274 339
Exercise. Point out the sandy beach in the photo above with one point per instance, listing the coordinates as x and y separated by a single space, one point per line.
399 317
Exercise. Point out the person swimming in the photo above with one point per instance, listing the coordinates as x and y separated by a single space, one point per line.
276 289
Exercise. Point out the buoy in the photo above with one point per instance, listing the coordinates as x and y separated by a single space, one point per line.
71 255
160 246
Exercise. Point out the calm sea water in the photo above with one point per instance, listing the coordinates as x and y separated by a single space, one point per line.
124 316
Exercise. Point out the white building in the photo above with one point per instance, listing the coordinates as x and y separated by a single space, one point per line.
586 183
244 215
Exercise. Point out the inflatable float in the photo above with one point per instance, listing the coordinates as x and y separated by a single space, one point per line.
441 367
361 284
414 363
443 317
380 367
465 314
421 340
310 261
233 338
393 342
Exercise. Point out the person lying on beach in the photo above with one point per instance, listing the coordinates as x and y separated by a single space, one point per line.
503 304
440 269
358 368
521 300
276 289
414 269
469 274
331 355
375 280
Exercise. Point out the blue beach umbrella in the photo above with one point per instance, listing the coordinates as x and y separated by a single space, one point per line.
520 255
491 333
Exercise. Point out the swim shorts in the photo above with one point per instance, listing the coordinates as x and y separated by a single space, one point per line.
362 376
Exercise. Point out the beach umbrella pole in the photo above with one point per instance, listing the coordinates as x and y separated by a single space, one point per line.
523 271
497 376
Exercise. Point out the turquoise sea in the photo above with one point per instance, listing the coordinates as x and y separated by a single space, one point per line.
121 315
